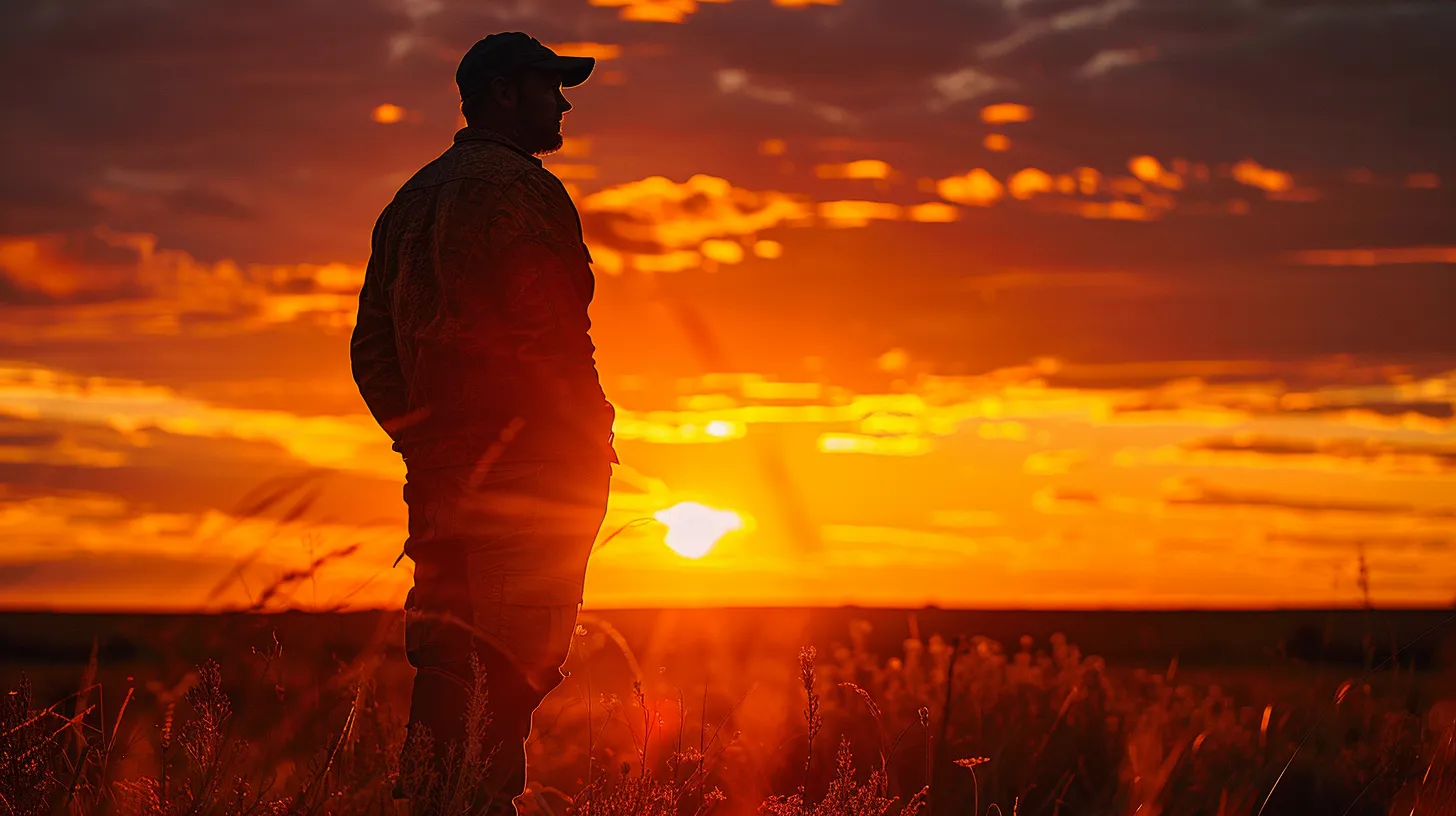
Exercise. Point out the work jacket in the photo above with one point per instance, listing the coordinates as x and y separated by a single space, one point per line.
472 341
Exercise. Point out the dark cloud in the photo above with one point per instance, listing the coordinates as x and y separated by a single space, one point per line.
1195 493
1434 410
1352 544
1386 454
204 202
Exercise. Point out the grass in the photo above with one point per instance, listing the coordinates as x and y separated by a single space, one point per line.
947 726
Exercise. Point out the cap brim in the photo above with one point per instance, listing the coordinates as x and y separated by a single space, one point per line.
573 70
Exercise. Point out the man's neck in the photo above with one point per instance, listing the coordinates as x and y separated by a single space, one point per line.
492 133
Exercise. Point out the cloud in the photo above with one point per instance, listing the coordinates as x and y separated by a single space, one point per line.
1053 462
1197 493
1374 256
60 444
861 169
92 551
1091 14
977 187
857 213
736 81
963 85
157 194
645 222
653 11
98 284
1065 501
1150 193
1112 59
1370 455
1253 174
1006 113
341 442
1433 544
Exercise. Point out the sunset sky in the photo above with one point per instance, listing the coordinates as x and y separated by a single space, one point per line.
1001 303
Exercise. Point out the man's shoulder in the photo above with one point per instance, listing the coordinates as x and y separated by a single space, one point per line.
493 164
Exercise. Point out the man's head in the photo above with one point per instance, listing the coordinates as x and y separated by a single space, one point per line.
511 83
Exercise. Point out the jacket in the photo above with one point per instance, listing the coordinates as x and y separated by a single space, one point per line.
472 342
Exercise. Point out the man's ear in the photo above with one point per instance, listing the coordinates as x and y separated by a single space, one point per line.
504 92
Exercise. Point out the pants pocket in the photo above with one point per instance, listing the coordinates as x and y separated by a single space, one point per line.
529 618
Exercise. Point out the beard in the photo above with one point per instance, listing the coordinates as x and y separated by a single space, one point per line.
547 141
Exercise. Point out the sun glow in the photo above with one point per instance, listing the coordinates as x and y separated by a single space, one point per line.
693 529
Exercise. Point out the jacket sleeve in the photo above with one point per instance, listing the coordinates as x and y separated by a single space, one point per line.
373 353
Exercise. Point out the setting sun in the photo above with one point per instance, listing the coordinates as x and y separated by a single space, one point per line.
693 529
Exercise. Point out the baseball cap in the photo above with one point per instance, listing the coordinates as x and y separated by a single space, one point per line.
511 51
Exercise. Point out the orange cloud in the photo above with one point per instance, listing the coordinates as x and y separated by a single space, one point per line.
1378 256
1152 171
206 552
897 445
25 442
600 51
102 284
388 114
1253 174
1006 112
1029 181
1114 210
862 169
978 188
340 442
653 11
996 142
1053 462
722 251
857 213
656 224
932 212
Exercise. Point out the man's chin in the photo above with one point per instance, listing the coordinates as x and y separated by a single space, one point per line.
549 145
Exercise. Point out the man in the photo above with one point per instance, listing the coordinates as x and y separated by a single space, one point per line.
472 352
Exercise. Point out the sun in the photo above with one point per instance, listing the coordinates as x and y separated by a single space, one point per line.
693 529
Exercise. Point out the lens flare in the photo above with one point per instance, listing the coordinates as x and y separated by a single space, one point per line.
693 529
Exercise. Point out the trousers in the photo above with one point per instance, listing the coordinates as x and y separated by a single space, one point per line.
500 560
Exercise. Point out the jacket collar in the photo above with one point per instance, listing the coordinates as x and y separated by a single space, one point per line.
481 134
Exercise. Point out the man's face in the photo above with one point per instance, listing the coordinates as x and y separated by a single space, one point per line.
539 109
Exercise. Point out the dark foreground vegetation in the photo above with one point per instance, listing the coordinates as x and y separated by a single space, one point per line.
669 713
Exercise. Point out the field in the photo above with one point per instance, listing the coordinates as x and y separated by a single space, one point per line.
832 711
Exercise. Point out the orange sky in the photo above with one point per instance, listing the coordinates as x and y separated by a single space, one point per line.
1068 310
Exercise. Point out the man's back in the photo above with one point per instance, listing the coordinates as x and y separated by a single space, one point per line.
472 338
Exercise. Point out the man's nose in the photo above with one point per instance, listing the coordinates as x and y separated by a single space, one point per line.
561 103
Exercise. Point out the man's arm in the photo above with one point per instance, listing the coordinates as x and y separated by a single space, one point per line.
549 331
373 354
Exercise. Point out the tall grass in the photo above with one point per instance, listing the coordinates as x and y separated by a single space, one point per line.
960 726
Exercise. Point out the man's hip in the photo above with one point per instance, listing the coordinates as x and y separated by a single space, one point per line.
500 558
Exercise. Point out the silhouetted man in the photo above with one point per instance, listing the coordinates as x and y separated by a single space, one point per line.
472 351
